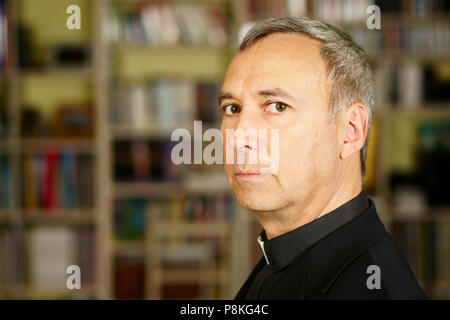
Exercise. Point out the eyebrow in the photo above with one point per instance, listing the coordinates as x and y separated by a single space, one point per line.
275 92
223 95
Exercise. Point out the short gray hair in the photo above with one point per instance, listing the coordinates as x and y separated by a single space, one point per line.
347 63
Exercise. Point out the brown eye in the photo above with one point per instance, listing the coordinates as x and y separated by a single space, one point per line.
277 107
231 109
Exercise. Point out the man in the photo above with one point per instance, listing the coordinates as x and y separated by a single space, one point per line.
322 238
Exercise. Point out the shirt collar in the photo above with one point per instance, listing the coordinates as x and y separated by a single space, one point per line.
280 251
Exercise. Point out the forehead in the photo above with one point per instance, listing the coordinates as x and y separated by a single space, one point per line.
280 59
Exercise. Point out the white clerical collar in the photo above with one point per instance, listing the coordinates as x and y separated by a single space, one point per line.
261 244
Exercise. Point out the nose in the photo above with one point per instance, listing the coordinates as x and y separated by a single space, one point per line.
246 130
242 140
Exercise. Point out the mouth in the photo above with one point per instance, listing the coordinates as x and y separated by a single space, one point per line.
251 175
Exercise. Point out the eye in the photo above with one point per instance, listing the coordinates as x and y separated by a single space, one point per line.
277 107
231 109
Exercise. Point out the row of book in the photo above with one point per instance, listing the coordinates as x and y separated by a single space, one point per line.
426 246
131 273
58 179
130 215
73 119
144 160
48 252
3 34
327 10
414 7
195 208
341 10
411 84
420 153
428 40
433 157
165 104
256 9
168 24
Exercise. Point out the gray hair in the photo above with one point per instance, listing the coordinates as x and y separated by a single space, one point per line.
347 63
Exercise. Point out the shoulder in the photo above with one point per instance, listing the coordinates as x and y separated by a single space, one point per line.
380 272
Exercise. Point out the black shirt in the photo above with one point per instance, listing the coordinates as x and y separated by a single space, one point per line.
280 251
334 257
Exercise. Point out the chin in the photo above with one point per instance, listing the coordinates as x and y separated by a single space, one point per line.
257 201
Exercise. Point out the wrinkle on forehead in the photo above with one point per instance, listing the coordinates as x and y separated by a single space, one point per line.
263 62
247 69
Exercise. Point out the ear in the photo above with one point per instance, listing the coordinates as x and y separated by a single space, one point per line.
354 124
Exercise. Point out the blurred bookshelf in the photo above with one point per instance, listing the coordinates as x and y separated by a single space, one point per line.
49 206
177 230
94 109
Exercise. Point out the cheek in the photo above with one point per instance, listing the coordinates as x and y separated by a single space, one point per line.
307 153
296 154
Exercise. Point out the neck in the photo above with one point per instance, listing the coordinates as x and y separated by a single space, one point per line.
316 205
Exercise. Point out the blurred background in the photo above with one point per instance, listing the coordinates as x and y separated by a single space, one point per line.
85 121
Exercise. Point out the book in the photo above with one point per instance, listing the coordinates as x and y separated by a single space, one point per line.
86 253
166 24
129 277
85 181
428 40
5 183
56 179
49 199
12 253
432 157
198 208
411 85
165 104
52 250
129 219
333 11
144 160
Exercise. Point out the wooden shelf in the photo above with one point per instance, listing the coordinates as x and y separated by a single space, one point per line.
28 292
9 217
198 275
66 216
123 132
217 185
213 228
80 145
145 189
5 145
62 73
422 111
128 132
132 247
180 61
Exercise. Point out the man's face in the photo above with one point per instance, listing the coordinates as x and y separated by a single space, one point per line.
280 83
